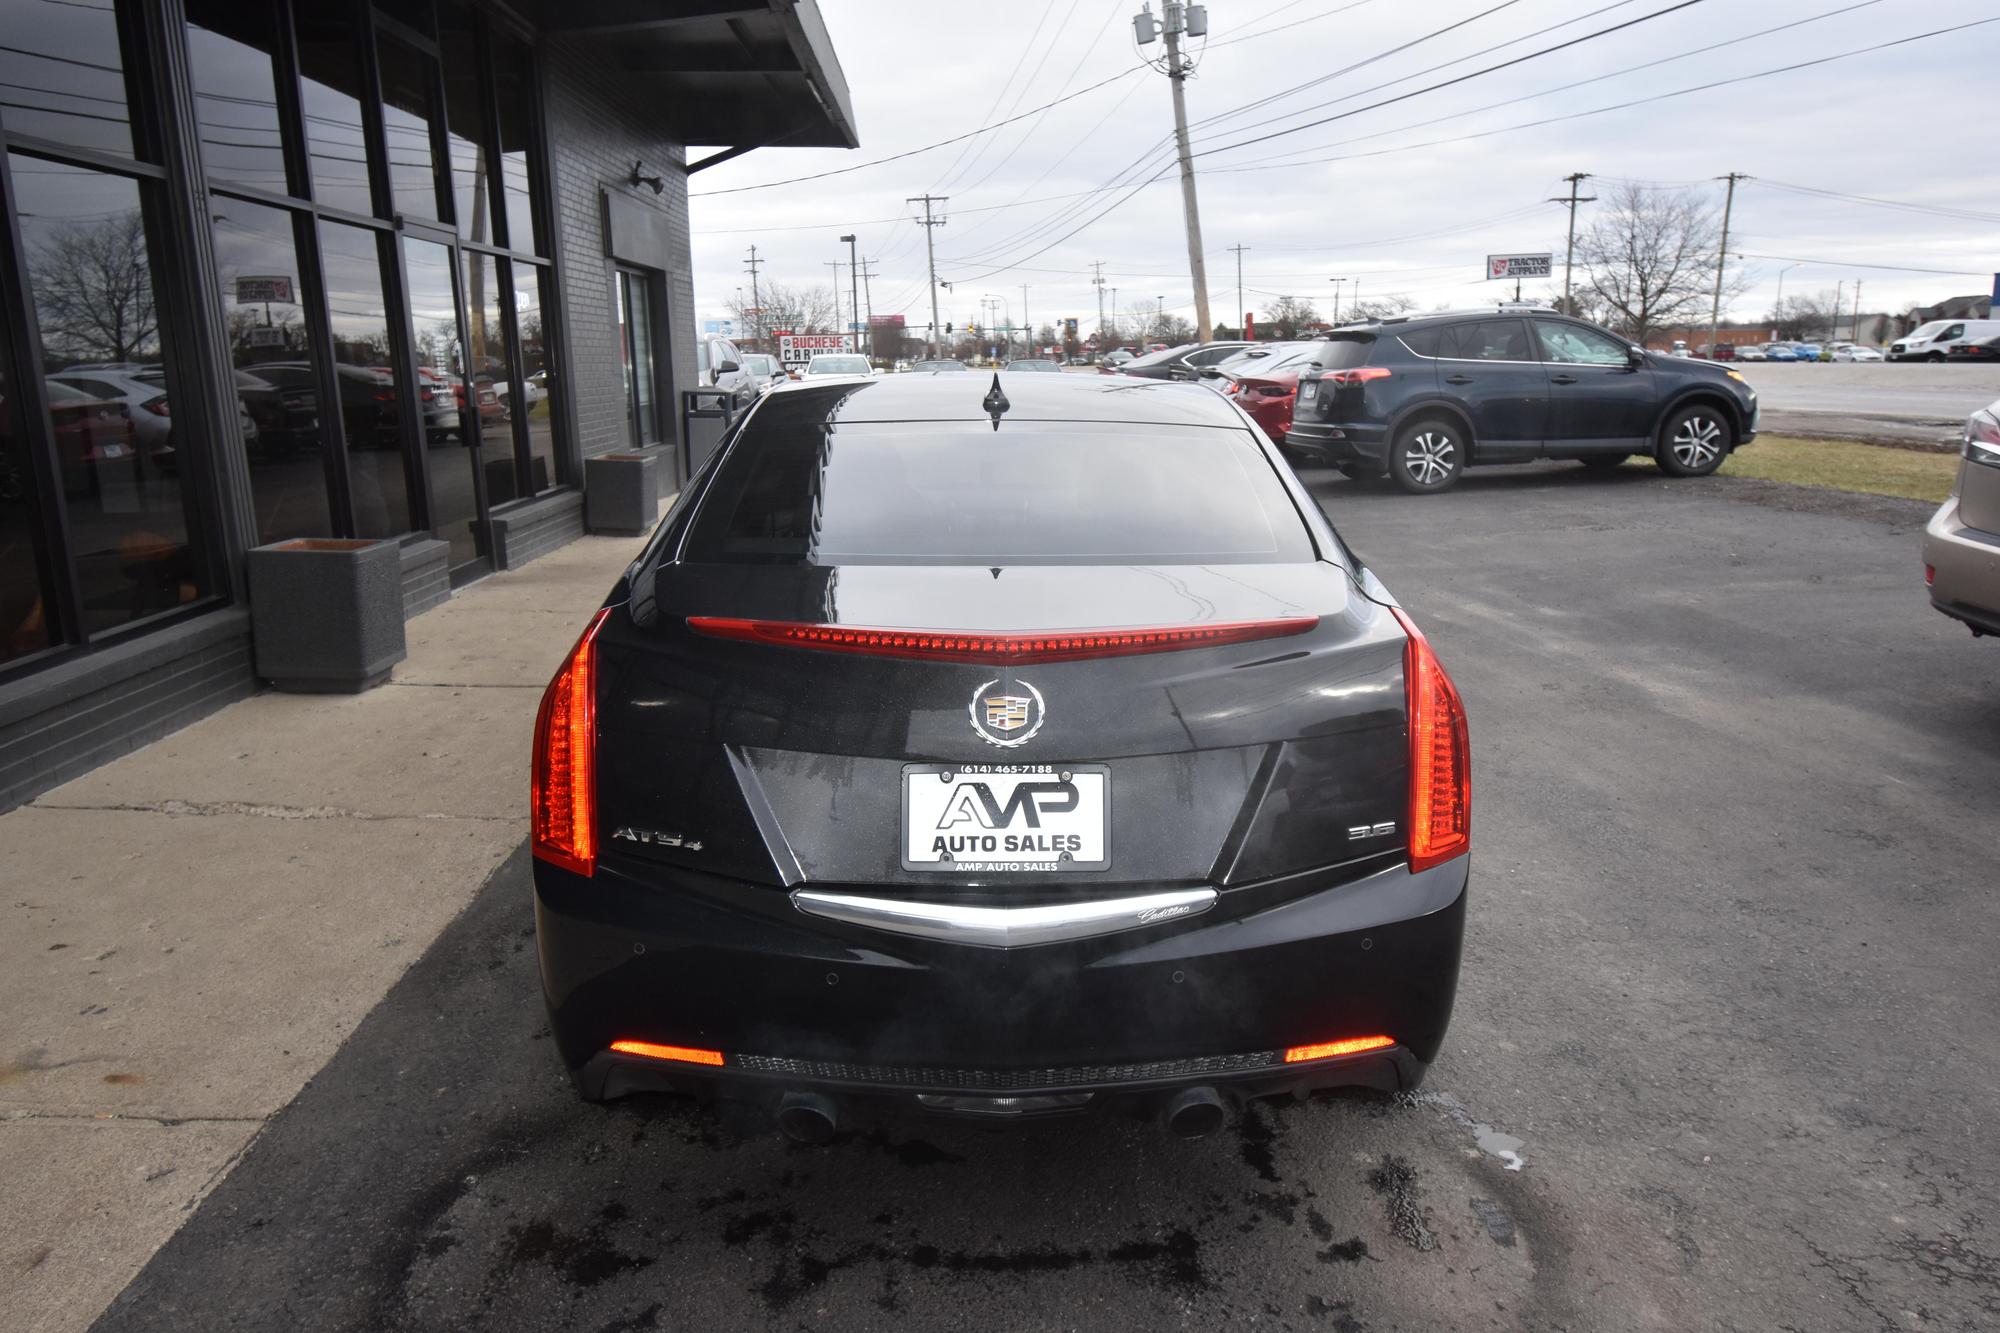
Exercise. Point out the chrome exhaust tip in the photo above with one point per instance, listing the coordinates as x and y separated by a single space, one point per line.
1193 1113
807 1117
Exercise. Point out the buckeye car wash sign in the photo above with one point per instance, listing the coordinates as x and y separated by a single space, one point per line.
797 349
1518 266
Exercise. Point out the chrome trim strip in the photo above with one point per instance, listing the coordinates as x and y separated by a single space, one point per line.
1005 927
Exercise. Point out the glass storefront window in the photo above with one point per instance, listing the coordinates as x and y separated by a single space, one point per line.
24 594
512 78
276 390
62 76
118 454
369 387
440 364
635 331
408 108
489 368
330 99
235 93
466 119
532 285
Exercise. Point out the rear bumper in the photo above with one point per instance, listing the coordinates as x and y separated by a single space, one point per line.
797 1003
1330 445
1966 561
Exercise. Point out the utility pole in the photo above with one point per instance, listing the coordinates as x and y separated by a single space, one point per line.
1839 295
854 295
1117 330
1575 178
834 264
1027 324
868 295
1098 282
1178 19
1856 335
1722 258
1241 322
930 254
756 299
1336 299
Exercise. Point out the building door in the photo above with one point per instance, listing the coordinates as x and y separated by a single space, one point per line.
450 431
635 330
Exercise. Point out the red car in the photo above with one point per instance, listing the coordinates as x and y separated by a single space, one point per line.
1269 393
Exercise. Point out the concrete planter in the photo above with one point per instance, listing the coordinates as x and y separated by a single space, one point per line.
621 496
326 614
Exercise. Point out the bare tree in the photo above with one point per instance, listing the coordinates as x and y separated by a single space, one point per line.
1380 307
792 309
1810 317
1169 328
1650 259
1288 317
94 291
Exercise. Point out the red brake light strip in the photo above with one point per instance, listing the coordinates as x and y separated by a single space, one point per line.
1043 646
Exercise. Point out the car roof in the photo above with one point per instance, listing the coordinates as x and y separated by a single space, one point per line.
1042 398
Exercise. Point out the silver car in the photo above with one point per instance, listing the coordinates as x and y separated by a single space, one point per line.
1962 540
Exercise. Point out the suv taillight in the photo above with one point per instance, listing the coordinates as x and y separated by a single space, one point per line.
1359 375
1440 818
563 799
1982 438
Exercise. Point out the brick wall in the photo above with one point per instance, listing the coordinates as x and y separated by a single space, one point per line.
598 125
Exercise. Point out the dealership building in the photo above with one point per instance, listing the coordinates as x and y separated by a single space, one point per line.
327 274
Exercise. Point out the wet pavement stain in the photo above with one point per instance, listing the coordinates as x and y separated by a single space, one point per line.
1396 1181
1257 1138
1499 1225
1346 1252
583 1259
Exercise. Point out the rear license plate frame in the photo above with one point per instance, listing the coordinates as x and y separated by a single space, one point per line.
959 776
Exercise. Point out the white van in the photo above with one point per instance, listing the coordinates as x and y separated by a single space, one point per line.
1934 341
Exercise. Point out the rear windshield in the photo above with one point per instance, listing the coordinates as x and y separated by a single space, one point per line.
1343 351
961 493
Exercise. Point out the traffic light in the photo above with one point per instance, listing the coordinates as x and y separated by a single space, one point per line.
950 328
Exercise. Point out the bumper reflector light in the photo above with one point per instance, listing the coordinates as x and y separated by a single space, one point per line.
1348 1046
949 645
687 1055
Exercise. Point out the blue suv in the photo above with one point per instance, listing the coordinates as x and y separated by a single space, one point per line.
1423 398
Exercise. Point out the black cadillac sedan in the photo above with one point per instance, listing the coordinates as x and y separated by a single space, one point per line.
998 747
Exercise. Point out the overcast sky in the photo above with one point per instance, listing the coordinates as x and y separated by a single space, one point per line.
1398 210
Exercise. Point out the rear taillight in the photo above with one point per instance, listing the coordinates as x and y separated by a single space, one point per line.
1440 820
1982 438
1275 391
947 645
158 407
1930 576
1358 375
563 814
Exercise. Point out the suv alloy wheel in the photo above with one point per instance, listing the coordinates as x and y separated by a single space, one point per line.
1427 457
1694 441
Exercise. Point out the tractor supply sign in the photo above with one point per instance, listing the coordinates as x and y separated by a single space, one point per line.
796 349
259 290
1518 266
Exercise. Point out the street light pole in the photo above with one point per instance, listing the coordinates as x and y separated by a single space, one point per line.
1179 19
854 296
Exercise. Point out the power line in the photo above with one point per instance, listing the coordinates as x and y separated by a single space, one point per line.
1940 210
929 147
1454 80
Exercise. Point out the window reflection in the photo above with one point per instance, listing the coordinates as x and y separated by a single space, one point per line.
330 98
489 342
440 360
61 74
407 112
368 383
516 93
118 454
538 389
465 118
24 597
275 385
235 91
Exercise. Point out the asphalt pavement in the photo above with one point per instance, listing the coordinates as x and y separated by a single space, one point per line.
1901 402
1727 1006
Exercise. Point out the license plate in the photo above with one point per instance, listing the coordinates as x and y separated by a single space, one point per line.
1308 391
980 818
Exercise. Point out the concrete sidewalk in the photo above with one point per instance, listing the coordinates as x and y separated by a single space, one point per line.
192 930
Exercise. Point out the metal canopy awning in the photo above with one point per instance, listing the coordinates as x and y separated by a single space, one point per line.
741 74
